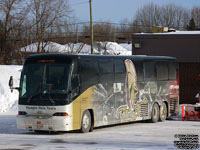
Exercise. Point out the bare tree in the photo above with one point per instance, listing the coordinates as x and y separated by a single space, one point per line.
44 15
173 16
148 16
13 15
170 15
124 31
195 14
104 31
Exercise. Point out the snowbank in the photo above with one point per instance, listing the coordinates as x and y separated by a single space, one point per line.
8 100
47 46
111 48
126 46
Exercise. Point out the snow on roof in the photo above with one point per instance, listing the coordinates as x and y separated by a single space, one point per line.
177 32
181 32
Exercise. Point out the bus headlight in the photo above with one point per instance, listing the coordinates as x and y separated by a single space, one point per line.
22 113
61 114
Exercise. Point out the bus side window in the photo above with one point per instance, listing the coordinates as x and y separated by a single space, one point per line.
120 71
139 70
75 85
89 74
149 71
106 72
75 81
162 71
172 70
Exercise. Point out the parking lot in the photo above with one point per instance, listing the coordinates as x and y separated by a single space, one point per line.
137 135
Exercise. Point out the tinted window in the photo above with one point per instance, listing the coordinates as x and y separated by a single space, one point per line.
106 72
106 66
120 72
139 70
162 72
89 73
119 66
149 70
44 84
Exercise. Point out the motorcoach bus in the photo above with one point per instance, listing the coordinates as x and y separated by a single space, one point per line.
62 92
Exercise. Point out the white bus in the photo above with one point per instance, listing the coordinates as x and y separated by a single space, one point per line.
62 92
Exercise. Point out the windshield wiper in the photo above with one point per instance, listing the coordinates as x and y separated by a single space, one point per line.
31 97
51 99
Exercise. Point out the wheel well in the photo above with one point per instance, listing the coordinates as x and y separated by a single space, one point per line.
92 119
156 103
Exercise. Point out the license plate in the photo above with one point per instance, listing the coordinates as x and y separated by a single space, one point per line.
39 124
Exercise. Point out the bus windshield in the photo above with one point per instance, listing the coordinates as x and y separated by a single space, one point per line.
44 83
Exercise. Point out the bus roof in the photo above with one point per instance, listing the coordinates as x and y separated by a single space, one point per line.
60 56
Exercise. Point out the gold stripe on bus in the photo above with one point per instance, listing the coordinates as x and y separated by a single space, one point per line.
79 105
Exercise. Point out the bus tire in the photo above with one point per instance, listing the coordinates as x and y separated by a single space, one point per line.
155 113
86 122
163 112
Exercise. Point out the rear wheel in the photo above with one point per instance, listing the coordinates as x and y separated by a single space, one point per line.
163 112
86 122
155 113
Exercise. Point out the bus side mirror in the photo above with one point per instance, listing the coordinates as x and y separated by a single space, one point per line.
11 83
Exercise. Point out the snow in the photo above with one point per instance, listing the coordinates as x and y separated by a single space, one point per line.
176 32
183 32
112 48
48 46
137 136
8 100
126 46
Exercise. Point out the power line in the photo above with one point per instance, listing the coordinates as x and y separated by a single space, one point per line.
84 2
116 24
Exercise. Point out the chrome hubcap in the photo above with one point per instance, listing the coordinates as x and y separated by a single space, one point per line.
163 111
85 121
155 113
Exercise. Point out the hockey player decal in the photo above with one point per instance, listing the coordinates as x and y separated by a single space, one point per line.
130 84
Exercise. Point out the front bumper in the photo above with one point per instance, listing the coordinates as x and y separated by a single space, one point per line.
44 123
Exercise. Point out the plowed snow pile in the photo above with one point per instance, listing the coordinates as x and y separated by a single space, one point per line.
8 100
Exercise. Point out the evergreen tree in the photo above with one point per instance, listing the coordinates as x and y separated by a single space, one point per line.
191 25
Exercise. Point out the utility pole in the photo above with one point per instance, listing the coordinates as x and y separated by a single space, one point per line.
91 27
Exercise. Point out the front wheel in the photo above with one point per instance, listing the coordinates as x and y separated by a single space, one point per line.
155 113
86 122
163 112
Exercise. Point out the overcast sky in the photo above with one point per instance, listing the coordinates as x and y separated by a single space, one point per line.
116 10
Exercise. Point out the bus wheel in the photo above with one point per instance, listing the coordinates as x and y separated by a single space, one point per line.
86 122
163 112
155 113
